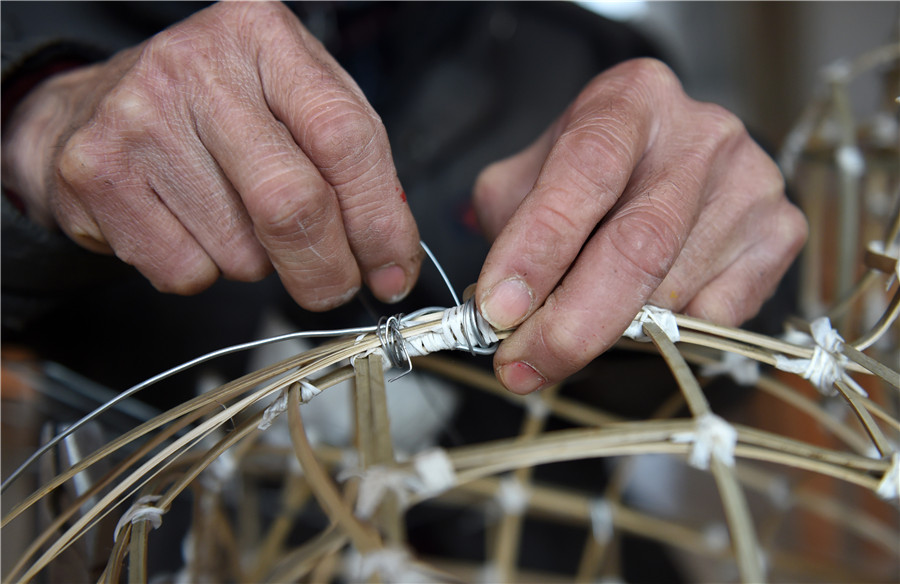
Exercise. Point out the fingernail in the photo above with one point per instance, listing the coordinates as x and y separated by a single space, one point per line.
389 282
507 303
520 377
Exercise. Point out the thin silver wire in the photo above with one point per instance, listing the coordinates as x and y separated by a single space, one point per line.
234 349
441 271
168 373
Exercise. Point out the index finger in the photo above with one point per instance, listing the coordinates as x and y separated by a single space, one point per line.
331 121
603 136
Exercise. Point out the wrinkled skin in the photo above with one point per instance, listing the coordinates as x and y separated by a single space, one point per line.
232 144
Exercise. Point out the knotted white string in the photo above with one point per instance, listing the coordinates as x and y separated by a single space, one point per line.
827 362
435 471
716 537
142 510
434 475
889 487
219 471
661 317
536 406
512 496
601 520
391 564
850 160
279 406
490 573
712 436
743 370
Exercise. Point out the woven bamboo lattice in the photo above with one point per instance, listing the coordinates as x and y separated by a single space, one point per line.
210 454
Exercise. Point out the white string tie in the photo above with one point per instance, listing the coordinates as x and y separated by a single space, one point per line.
601 520
490 573
220 471
512 496
889 487
536 406
837 72
308 391
661 317
779 492
716 537
743 370
279 406
434 475
391 564
712 436
142 510
375 482
850 161
827 362
435 471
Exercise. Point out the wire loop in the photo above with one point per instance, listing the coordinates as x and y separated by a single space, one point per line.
393 343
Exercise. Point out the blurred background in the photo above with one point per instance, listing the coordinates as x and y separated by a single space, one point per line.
762 60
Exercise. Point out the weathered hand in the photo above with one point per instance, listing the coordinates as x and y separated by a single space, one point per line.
637 194
229 143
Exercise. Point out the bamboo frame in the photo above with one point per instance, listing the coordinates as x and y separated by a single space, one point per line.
180 446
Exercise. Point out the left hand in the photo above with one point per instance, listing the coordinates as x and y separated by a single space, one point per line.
637 194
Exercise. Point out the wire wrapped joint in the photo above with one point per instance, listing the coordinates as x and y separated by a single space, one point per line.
461 328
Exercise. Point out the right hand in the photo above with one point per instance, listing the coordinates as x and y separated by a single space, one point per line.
229 143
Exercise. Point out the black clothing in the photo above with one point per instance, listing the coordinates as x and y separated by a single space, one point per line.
458 85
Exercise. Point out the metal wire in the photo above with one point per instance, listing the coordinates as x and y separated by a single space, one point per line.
165 374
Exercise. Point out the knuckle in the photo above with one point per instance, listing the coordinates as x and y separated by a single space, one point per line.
171 269
186 284
80 161
550 230
730 309
246 263
652 74
177 47
640 80
568 338
791 227
647 240
278 210
344 138
488 186
719 121
491 199
769 179
129 109
599 154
